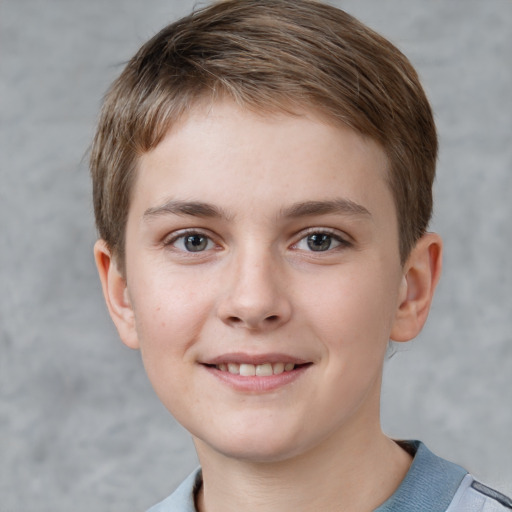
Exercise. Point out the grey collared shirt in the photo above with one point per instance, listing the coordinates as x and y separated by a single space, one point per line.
432 484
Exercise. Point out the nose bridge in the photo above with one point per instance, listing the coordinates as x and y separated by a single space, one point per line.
255 296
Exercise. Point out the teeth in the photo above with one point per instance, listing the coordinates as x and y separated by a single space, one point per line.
260 370
234 368
247 370
278 368
264 370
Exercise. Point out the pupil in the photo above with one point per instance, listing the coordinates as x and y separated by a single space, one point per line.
195 243
319 242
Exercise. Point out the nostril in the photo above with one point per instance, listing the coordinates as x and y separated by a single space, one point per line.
236 320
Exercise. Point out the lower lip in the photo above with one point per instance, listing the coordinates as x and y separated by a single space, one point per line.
256 384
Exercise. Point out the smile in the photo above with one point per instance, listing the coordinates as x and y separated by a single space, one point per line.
256 373
258 370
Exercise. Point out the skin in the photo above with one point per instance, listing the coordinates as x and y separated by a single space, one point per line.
258 194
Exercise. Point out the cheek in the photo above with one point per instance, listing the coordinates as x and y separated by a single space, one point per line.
169 314
169 323
352 312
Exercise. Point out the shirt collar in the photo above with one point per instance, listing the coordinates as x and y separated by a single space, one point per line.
430 483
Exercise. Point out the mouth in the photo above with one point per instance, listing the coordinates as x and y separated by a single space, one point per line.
257 373
257 370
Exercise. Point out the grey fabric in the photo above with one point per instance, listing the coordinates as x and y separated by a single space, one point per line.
430 484
472 496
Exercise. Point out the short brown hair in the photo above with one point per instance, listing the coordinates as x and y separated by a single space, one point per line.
267 55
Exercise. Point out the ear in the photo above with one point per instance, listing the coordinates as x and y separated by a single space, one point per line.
421 275
116 294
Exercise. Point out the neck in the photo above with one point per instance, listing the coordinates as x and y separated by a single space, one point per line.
356 473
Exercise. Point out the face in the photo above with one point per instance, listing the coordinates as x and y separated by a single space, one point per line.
264 277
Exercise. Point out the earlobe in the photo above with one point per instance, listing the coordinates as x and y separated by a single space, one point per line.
421 275
116 294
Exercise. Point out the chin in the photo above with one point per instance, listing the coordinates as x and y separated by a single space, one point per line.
258 455
264 446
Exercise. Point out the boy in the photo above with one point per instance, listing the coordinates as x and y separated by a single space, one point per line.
262 177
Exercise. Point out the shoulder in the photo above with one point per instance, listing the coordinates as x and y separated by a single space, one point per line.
182 499
475 496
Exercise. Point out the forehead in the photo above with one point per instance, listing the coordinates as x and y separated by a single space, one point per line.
234 157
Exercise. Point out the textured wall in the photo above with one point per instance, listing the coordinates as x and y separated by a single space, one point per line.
80 428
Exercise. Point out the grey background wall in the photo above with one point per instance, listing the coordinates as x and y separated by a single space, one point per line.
80 428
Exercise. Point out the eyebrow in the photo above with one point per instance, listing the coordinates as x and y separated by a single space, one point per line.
192 208
302 209
335 206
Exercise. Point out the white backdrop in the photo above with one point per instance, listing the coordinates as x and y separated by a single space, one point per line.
80 428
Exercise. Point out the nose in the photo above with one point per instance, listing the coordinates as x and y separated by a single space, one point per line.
256 295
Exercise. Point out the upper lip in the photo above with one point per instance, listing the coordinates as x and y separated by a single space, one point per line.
255 359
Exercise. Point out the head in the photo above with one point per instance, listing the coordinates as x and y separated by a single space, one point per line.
267 56
262 180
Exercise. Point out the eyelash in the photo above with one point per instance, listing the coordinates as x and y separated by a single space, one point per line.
332 236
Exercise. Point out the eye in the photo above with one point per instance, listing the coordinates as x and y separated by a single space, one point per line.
320 241
192 242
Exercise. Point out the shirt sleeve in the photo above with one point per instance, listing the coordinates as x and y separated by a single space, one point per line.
472 496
